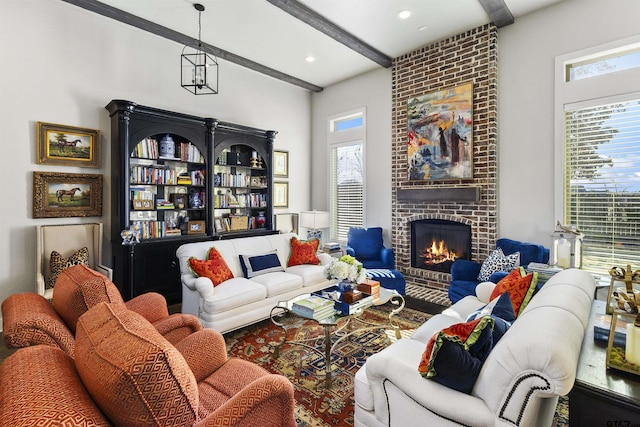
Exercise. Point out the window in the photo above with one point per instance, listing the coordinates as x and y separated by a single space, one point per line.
346 177
598 141
347 185
602 184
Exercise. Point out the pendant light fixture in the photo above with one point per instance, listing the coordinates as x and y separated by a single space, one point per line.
199 71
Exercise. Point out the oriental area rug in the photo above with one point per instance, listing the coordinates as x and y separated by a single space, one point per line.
317 406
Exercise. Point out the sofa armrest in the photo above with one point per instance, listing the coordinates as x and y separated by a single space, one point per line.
151 305
463 269
29 319
398 364
350 251
324 259
484 290
204 351
177 327
267 401
388 257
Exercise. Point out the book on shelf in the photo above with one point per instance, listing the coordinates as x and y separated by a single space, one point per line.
312 306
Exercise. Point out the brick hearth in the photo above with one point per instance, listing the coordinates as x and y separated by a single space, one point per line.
471 56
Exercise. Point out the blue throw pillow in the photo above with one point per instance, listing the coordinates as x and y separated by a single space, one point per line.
254 265
501 310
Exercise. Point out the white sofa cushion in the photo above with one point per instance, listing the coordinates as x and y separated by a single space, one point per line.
278 283
234 293
310 274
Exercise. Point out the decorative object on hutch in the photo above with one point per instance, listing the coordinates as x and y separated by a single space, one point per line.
163 194
199 71
625 321
567 246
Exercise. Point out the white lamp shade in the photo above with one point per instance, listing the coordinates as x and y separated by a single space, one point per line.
314 219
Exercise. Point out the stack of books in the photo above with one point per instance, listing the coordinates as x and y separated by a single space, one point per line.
331 247
313 307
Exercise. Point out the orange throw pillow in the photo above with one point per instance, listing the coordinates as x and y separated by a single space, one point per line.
520 286
303 252
215 267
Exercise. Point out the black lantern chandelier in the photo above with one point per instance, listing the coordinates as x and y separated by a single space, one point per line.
199 71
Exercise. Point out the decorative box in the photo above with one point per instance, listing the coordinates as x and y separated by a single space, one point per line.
369 286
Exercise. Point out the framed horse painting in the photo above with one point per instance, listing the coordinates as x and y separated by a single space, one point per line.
67 145
58 195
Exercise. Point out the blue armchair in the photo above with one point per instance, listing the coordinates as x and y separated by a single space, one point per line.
366 245
464 273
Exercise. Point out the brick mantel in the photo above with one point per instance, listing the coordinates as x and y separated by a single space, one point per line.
471 56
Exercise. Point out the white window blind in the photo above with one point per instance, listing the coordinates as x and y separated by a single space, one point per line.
347 189
602 181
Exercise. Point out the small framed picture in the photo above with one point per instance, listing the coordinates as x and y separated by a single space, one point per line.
142 205
219 225
280 194
67 145
281 164
195 227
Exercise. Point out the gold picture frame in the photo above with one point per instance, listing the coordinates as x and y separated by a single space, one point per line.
281 163
67 145
196 227
280 194
57 195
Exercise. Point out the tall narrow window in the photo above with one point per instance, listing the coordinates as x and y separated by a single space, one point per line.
347 172
602 181
347 189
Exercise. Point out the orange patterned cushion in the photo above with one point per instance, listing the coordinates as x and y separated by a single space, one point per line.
132 373
520 286
303 252
79 288
215 267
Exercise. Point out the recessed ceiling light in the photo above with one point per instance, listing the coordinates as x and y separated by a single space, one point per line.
404 14
310 58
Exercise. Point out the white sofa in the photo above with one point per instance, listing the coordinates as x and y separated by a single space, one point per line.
519 383
238 302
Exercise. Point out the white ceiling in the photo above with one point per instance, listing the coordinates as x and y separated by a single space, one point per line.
267 35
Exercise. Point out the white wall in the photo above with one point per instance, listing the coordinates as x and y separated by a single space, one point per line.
372 91
527 50
62 64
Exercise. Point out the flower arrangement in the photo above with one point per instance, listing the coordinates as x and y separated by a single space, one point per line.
346 268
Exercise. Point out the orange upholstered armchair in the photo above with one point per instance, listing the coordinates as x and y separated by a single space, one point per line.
30 319
125 373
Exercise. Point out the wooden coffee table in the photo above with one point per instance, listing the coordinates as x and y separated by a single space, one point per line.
601 396
336 325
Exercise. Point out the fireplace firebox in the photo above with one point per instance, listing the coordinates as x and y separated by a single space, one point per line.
437 243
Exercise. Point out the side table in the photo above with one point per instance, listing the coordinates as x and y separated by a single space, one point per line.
600 396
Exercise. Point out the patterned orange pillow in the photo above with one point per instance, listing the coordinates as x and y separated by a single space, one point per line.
520 286
303 252
215 267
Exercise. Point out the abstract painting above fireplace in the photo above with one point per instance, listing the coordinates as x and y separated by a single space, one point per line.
437 243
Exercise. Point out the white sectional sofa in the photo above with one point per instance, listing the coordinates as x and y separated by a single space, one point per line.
519 382
239 301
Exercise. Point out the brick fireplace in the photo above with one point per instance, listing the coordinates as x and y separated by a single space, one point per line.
471 56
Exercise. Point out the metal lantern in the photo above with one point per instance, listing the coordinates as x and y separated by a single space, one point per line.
567 247
199 70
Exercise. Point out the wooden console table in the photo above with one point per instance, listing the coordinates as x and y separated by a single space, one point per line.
602 397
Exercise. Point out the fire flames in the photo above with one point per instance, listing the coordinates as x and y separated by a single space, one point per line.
438 253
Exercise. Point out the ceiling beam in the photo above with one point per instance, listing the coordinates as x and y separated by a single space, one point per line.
498 11
320 23
159 30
